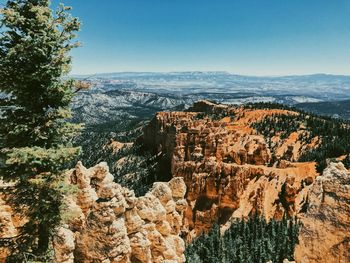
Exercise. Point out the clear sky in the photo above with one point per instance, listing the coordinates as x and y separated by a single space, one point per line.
253 37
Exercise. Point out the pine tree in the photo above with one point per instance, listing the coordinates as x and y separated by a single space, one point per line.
35 136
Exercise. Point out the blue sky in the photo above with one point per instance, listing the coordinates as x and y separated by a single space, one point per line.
253 37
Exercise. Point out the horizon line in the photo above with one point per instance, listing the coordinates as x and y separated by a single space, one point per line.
208 71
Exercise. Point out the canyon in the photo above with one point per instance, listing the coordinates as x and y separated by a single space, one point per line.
216 168
227 165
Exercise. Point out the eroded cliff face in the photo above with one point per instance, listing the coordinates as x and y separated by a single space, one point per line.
325 227
109 224
217 168
228 167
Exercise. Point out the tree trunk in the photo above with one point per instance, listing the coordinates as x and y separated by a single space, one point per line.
44 238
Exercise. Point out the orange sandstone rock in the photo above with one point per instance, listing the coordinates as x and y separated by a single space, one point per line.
225 164
325 227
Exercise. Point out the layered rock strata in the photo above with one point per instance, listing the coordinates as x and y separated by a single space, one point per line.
227 165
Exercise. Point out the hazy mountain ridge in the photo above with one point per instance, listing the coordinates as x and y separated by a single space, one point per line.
223 82
139 95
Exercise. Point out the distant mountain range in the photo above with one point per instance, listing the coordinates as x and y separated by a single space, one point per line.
321 86
129 95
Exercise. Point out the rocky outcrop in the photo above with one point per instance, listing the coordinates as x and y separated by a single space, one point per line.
109 224
227 165
7 227
9 220
325 227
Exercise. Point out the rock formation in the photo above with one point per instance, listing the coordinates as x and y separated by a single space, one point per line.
9 221
325 230
7 227
105 222
227 166
109 224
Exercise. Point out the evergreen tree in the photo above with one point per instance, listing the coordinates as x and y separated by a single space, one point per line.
251 241
35 135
